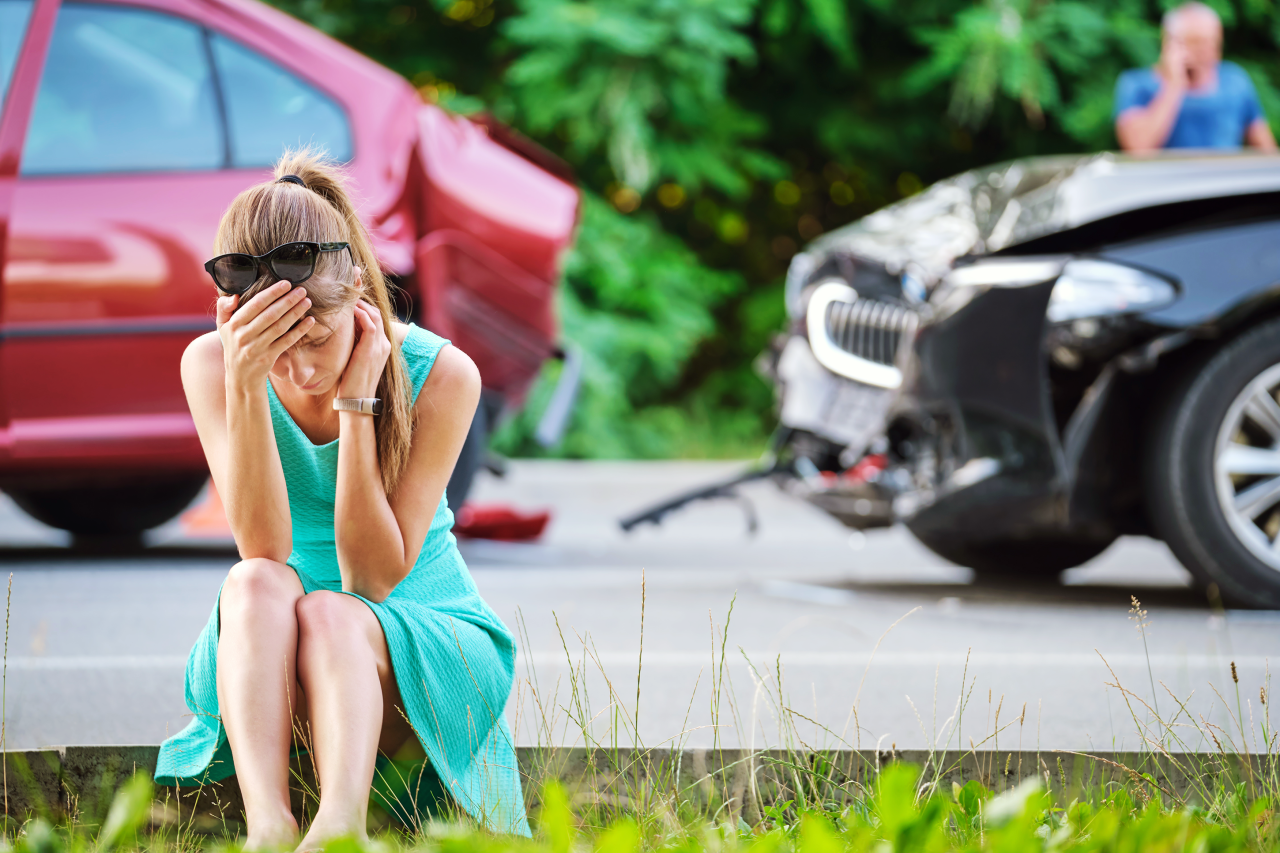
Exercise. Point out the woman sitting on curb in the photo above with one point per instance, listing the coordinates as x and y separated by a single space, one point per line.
351 623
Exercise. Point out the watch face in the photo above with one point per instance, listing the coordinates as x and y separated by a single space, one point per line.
365 405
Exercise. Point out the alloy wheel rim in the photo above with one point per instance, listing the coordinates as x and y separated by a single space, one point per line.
1247 467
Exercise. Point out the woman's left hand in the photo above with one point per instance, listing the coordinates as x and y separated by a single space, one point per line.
368 356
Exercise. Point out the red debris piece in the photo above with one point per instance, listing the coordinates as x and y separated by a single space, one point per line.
868 468
499 521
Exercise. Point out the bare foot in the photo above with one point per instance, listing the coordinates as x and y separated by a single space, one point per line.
319 835
280 835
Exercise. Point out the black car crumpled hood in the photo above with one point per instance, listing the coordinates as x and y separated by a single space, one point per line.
996 207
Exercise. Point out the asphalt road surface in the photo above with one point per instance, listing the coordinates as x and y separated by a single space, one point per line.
876 641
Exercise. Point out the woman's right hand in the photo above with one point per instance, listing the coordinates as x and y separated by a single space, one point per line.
260 332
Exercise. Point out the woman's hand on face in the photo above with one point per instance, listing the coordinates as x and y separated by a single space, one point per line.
368 356
257 334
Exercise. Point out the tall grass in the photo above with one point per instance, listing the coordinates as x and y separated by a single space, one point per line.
4 697
810 767
811 789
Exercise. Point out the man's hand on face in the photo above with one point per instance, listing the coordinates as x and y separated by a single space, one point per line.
1173 65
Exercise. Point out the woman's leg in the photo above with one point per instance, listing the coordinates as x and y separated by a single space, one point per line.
258 691
352 705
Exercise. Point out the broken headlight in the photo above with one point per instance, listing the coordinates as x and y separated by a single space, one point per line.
1091 307
1090 313
1089 288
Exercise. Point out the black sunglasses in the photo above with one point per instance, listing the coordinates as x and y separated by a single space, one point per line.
292 262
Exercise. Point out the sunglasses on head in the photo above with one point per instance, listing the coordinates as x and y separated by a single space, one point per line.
236 272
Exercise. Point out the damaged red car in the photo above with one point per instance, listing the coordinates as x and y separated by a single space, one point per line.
126 130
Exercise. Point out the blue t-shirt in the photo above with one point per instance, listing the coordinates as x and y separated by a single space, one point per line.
1216 119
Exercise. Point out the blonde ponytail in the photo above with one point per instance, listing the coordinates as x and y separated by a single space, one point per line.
270 214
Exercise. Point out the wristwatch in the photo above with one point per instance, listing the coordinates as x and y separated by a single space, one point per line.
364 405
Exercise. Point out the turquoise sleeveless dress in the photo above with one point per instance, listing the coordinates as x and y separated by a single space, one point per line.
454 660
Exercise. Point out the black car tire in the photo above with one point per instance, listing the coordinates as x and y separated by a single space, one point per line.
1180 473
102 510
470 459
1014 559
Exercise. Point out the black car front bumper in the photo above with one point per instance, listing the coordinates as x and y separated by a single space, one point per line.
998 442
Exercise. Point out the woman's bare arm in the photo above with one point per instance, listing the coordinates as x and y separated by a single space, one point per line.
225 384
379 538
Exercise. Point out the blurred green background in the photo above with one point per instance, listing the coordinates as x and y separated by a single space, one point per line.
713 138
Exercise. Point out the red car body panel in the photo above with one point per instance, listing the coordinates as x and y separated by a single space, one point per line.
101 275
486 267
465 282
472 182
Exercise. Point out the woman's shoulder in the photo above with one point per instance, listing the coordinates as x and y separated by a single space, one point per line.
454 382
202 359
420 349
417 341
454 367
435 365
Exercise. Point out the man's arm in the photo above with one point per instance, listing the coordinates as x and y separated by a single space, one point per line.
1147 128
1259 135
1257 132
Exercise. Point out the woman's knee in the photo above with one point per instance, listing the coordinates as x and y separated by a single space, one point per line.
260 583
324 615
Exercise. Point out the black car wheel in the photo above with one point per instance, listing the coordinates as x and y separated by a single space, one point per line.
98 510
1213 474
1014 559
470 458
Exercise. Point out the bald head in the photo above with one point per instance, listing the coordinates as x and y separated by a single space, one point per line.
1196 31
1194 18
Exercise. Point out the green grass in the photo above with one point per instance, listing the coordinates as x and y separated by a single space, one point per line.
892 813
807 793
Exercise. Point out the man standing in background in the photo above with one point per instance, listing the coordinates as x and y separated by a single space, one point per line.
1191 98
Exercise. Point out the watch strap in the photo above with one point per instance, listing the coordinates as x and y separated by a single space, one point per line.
364 405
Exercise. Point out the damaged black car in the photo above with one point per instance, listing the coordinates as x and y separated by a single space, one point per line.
1027 361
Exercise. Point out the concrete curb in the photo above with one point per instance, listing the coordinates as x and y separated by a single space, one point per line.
82 779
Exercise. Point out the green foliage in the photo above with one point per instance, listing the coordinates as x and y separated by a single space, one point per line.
639 304
900 815
969 799
895 803
622 837
128 812
1011 49
745 128
556 821
642 81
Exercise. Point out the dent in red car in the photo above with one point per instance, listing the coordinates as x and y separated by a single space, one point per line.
477 186
486 269
489 308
